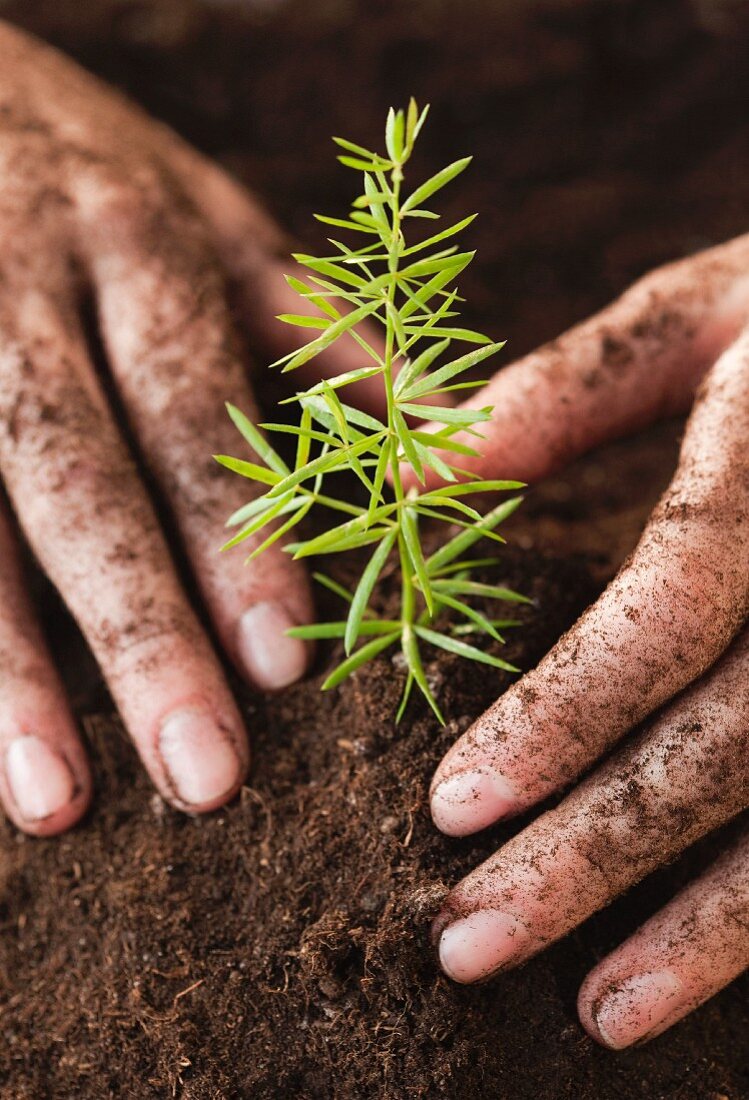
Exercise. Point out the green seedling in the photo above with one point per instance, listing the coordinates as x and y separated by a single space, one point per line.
409 290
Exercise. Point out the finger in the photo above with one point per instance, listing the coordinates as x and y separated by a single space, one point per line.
177 360
256 252
638 360
666 617
680 958
687 774
45 782
86 515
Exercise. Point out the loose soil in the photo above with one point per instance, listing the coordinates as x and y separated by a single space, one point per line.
279 948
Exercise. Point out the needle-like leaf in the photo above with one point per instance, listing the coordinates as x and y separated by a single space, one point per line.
356 660
364 589
435 183
462 649
416 669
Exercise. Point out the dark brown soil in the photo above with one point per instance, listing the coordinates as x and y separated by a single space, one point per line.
279 948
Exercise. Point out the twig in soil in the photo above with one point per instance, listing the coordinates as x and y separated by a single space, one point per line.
184 992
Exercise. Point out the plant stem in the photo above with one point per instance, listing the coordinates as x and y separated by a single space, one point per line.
408 599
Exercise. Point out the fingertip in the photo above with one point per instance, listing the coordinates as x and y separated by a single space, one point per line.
46 789
472 800
625 1010
271 659
204 764
476 946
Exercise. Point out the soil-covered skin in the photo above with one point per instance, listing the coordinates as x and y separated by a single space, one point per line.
279 948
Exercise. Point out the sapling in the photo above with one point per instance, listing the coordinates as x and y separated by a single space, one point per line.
408 289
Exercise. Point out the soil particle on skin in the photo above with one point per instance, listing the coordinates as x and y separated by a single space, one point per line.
280 947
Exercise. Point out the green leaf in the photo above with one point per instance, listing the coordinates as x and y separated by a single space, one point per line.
379 481
477 385
292 521
443 415
469 628
455 547
274 508
465 566
429 458
324 542
247 511
330 269
465 334
312 296
442 500
256 440
394 134
294 429
364 165
434 286
435 183
303 320
416 669
365 200
433 264
465 488
404 698
421 363
375 200
397 326
409 522
410 449
354 255
420 214
353 148
443 442
353 415
325 463
414 123
475 588
339 380
333 586
318 631
248 469
450 370
462 649
364 589
343 223
441 236
477 619
332 333
352 542
304 441
362 217
366 653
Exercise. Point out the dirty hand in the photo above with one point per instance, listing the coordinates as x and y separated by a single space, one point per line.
668 641
100 203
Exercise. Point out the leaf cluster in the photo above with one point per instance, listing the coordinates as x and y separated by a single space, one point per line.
409 291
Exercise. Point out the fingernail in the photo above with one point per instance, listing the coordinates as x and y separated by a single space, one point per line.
39 778
471 801
475 946
637 1006
200 759
272 659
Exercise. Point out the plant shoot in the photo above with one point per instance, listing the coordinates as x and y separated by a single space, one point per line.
408 288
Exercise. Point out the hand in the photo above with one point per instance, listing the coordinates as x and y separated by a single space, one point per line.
673 621
97 200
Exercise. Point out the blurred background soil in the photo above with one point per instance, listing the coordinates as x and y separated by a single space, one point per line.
279 948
